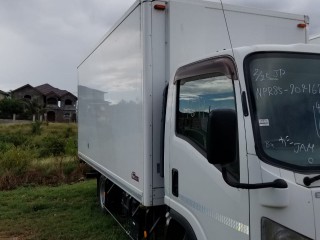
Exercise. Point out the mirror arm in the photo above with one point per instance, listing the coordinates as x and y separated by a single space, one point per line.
278 183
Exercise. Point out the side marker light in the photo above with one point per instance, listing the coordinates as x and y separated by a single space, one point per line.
302 25
160 7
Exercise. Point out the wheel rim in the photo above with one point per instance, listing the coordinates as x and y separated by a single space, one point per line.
102 193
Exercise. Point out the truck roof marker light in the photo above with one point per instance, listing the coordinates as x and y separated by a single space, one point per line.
302 25
160 7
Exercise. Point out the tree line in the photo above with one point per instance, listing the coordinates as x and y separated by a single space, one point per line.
22 109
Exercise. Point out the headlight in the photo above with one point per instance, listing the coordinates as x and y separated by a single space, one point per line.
271 230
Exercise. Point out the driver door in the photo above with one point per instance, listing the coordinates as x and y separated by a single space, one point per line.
197 190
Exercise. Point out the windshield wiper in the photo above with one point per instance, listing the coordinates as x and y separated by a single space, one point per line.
307 180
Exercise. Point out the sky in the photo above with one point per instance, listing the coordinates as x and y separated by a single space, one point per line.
43 41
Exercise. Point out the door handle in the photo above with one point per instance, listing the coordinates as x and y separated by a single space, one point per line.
175 182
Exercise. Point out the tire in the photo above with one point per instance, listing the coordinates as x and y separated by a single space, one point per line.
175 231
102 195
186 237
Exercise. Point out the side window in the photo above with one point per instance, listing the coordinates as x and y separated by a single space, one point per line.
68 102
27 97
197 97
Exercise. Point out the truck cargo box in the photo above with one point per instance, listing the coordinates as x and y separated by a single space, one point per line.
121 82
315 39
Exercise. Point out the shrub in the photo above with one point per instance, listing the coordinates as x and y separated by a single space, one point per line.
71 147
16 160
52 146
68 132
69 167
15 138
36 128
31 157
5 146
8 107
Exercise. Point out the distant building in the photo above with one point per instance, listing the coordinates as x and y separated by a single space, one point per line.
3 95
59 105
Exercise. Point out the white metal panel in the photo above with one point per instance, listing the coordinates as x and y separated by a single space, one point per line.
198 28
264 12
147 102
256 27
316 201
250 147
205 198
158 33
315 39
195 30
292 213
111 130
214 209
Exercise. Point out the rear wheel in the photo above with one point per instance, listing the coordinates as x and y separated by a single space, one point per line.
102 193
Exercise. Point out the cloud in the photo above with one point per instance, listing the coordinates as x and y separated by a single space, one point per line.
44 41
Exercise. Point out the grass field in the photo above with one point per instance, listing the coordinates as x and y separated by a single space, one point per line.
38 153
64 212
40 193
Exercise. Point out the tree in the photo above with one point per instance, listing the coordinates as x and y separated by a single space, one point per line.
33 107
8 107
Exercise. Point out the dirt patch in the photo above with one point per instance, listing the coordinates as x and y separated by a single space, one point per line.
8 236
9 121
9 181
12 238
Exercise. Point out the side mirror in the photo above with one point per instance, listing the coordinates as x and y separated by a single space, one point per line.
222 136
222 147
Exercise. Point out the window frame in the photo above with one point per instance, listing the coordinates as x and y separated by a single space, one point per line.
68 102
225 65
67 115
253 111
49 101
27 97
211 67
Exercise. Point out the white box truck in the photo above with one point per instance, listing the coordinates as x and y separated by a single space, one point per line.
202 120
315 39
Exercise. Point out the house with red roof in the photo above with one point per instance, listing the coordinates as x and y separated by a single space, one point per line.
59 105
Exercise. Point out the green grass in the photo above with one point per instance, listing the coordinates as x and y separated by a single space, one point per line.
38 153
64 212
42 158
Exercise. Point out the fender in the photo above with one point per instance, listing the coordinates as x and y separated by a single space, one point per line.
183 222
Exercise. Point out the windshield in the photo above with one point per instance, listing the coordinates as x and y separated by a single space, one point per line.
285 101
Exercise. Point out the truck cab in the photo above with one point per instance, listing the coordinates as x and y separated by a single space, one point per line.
242 143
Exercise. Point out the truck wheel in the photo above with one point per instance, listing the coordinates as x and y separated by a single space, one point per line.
179 234
102 193
176 231
186 237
